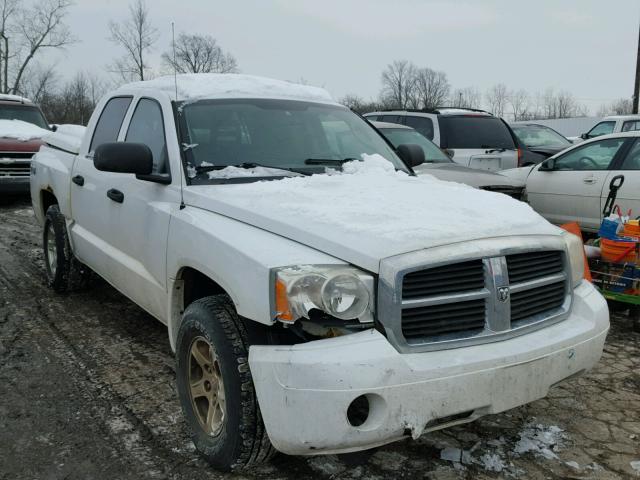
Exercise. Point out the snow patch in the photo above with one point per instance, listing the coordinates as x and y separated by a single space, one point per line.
197 86
22 131
635 465
67 137
236 172
540 440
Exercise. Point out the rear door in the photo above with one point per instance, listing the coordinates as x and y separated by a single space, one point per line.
628 197
478 141
572 191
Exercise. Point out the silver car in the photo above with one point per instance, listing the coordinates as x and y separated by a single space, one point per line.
438 164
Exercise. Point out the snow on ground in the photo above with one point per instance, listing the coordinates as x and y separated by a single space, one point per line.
22 131
196 86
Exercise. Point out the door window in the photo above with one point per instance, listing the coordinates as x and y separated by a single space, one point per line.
147 126
423 125
594 156
110 121
602 128
631 126
632 161
390 118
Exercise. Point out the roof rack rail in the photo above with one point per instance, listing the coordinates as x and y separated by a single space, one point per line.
433 110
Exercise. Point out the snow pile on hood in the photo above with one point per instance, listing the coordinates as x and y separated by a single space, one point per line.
67 137
197 86
370 198
22 131
236 172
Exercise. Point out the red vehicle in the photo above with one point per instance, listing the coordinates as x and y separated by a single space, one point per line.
16 150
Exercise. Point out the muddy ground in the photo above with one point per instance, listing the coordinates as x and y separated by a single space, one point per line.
87 391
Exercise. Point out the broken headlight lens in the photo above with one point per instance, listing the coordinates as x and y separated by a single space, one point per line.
340 291
575 250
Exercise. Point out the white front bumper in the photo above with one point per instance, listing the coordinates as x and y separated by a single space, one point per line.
304 391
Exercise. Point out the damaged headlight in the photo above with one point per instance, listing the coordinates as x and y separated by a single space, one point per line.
341 291
575 250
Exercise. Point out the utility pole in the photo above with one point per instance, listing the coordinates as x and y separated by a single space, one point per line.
636 88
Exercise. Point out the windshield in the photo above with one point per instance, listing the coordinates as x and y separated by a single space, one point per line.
474 131
539 136
24 113
406 136
263 135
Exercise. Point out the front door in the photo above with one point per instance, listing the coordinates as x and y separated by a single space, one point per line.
628 196
572 191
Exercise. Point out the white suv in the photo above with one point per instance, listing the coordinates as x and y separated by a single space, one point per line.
473 138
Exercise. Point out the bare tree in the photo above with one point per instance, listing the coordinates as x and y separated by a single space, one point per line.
431 88
622 106
25 32
468 97
398 84
497 98
39 83
199 54
137 36
519 101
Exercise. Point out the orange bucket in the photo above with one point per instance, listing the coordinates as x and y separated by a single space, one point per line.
631 230
617 251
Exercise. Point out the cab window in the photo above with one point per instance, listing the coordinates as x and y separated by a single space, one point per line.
147 126
110 121
602 128
594 156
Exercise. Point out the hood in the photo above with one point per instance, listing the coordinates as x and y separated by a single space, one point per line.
519 174
547 151
452 172
369 211
15 145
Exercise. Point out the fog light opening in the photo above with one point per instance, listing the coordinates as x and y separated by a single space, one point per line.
358 411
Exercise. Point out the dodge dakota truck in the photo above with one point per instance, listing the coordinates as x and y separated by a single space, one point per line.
319 297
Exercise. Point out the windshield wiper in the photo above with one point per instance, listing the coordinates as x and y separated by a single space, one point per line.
493 149
246 165
328 161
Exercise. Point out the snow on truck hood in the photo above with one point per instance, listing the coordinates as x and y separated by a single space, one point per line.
369 211
198 86
21 131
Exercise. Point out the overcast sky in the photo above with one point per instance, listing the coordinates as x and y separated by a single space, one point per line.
587 47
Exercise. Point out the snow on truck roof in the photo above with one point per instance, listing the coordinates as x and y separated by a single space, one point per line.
200 86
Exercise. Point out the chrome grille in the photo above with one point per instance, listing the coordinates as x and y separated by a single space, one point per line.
526 266
470 293
15 169
458 277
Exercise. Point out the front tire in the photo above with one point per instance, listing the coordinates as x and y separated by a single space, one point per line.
215 386
64 272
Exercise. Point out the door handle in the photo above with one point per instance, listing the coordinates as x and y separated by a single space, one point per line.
78 180
589 180
115 195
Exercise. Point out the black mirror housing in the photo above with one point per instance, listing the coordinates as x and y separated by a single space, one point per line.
121 157
411 154
584 136
548 165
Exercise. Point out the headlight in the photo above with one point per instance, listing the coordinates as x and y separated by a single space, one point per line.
575 249
343 292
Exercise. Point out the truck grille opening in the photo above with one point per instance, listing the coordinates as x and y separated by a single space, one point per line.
531 265
17 169
536 301
437 320
457 277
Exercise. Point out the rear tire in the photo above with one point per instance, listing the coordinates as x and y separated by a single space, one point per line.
64 272
215 386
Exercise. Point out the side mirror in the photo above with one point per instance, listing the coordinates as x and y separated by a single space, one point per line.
53 127
584 136
121 157
411 154
548 165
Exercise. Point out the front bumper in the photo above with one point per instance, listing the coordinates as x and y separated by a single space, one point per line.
17 185
304 390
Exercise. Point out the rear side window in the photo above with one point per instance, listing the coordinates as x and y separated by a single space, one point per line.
110 121
423 125
147 126
390 118
631 126
474 132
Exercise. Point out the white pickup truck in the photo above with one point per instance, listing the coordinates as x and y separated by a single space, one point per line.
320 298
